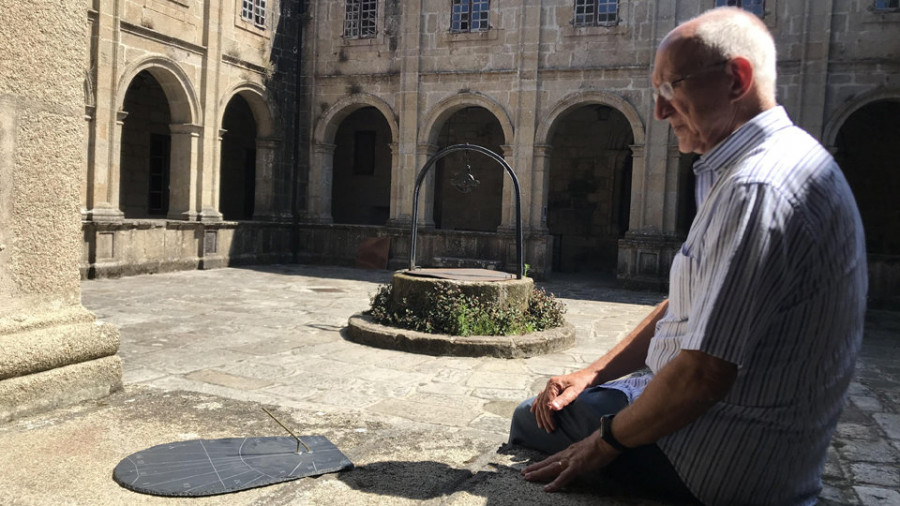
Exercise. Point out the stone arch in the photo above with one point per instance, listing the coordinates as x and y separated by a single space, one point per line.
181 142
847 109
259 103
581 98
445 108
184 107
323 149
862 137
328 123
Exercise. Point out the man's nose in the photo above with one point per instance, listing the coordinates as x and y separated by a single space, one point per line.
662 109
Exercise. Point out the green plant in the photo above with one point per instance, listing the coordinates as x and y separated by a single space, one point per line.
447 310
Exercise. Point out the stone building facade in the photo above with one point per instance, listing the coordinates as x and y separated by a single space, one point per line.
302 140
191 132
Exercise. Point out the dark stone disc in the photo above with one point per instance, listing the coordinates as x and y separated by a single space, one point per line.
202 467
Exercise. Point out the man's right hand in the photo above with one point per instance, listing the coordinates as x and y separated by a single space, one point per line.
559 392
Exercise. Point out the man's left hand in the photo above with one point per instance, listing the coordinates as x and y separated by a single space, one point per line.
589 454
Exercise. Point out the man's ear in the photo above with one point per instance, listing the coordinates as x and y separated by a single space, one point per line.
741 77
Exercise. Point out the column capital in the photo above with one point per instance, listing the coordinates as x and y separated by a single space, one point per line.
186 128
543 149
638 149
120 116
324 148
427 148
268 142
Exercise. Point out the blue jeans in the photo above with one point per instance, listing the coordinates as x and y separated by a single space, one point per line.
646 470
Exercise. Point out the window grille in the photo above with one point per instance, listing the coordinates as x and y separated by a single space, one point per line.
254 11
596 12
757 7
360 18
886 5
470 16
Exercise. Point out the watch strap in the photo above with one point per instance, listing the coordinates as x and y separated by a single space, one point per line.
606 433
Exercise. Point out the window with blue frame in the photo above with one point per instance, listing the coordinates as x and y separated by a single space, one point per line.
470 16
757 7
887 5
596 12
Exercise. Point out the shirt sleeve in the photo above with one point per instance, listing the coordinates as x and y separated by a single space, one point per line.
738 270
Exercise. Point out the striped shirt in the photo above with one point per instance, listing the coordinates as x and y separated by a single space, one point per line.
772 277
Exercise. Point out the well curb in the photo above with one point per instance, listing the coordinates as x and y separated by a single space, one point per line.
363 330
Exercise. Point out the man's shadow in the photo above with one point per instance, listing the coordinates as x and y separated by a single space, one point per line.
500 484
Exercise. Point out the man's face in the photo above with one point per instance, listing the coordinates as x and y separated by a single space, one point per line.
700 111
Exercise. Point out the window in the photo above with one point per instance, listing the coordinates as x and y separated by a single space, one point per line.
359 19
596 12
254 11
886 5
757 7
470 16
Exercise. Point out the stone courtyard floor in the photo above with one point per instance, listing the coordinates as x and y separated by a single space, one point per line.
203 351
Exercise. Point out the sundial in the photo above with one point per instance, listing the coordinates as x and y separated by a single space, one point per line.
203 467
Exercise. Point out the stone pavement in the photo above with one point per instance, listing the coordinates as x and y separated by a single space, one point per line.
204 350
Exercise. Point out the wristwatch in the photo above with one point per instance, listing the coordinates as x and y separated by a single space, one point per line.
606 433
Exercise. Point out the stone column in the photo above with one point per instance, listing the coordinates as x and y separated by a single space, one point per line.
508 206
52 351
396 216
184 171
424 152
87 173
540 181
210 184
321 176
264 199
106 182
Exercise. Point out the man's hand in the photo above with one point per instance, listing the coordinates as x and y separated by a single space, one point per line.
559 392
589 454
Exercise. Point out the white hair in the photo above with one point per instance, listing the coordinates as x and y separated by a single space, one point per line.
740 34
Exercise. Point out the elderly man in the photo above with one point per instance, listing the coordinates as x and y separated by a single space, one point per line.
750 357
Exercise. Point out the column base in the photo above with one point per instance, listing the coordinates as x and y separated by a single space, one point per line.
104 214
209 214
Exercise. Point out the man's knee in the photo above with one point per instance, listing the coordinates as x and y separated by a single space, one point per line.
523 423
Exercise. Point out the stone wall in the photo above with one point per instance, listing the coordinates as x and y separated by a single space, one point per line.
52 351
526 80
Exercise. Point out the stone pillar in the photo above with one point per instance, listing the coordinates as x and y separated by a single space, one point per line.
52 351
217 181
210 184
184 171
508 206
426 193
540 180
396 217
264 199
86 174
321 177
105 186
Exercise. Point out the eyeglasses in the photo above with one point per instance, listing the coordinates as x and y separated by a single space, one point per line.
666 90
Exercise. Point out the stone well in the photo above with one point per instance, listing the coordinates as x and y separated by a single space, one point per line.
505 289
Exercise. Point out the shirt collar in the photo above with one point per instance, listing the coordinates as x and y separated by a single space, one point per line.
742 140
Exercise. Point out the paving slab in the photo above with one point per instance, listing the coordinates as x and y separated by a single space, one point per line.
204 351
